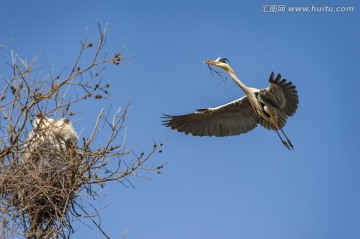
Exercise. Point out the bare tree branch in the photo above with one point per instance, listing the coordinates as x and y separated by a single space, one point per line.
46 182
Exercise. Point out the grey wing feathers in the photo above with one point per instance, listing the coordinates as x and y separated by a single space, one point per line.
281 94
234 118
283 97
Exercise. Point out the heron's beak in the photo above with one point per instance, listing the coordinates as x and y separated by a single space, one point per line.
210 62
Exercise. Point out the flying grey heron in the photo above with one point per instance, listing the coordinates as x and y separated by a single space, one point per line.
268 107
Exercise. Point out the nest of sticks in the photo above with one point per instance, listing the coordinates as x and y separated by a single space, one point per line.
42 188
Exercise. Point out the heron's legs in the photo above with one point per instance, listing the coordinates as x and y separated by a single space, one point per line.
284 142
291 145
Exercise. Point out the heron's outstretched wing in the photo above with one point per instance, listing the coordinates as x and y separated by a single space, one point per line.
281 94
234 118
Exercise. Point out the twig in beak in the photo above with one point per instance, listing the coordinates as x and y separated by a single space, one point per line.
218 73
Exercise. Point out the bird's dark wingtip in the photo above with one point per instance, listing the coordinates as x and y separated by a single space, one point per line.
271 79
165 116
276 80
166 120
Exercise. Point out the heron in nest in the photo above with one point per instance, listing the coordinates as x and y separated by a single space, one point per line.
50 134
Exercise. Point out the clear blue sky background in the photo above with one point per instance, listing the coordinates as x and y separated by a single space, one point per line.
248 186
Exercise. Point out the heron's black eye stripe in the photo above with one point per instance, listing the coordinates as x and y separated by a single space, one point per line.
223 60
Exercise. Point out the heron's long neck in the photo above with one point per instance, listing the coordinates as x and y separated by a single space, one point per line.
238 82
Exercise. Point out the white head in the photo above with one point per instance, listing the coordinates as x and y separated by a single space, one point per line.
220 62
41 121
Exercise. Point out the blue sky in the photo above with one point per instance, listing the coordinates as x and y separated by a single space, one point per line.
249 186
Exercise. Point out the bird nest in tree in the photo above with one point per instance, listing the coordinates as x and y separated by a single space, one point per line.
48 180
42 187
43 182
